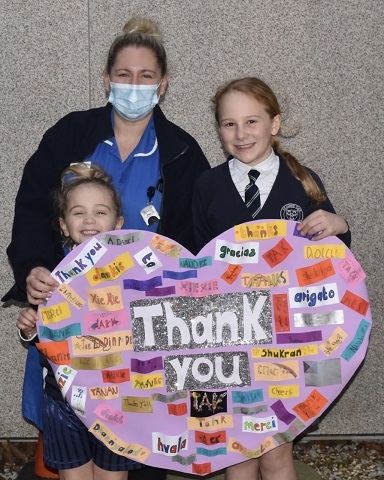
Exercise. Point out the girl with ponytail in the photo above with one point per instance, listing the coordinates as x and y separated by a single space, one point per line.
248 117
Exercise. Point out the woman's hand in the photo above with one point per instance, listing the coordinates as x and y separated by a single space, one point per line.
40 285
321 224
26 322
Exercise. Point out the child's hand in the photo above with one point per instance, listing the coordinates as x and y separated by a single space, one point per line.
26 322
322 224
40 285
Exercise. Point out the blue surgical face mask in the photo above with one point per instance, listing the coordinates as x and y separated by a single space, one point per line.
133 102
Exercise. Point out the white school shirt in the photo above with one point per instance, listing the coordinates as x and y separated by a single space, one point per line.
268 172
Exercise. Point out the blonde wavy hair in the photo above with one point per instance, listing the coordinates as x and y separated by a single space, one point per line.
139 32
83 174
261 92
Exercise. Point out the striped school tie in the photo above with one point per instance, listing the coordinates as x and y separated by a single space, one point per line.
252 194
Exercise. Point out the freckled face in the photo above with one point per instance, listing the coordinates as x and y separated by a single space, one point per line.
246 127
90 211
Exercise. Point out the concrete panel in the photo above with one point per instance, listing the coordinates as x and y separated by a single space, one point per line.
324 60
44 71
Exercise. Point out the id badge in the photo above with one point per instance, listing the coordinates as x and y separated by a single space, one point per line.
150 214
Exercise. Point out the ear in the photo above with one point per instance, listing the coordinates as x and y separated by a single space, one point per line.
276 124
120 223
106 80
163 85
63 227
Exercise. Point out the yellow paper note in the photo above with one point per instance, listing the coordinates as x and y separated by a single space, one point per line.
236 447
137 404
147 382
97 363
104 393
99 344
334 341
55 313
260 231
210 423
284 391
287 353
324 251
279 278
113 270
115 444
276 371
108 299
71 296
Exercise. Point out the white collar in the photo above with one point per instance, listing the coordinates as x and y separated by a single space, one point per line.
263 167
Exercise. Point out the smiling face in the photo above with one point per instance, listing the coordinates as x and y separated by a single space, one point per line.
246 128
136 66
90 211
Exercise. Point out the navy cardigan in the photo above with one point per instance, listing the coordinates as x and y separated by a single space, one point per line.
36 243
217 205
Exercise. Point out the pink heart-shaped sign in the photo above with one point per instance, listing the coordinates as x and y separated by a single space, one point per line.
198 363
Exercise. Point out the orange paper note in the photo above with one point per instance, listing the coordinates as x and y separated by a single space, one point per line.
56 352
231 274
281 312
278 253
315 273
211 438
311 407
355 302
177 409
